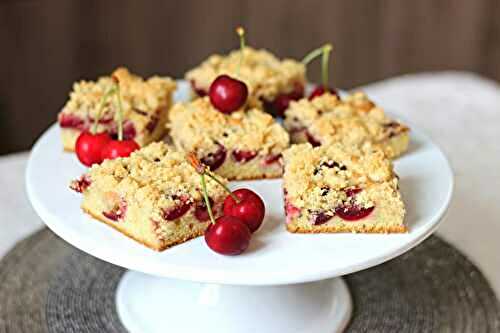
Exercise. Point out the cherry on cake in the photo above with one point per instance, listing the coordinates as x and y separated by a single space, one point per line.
245 144
337 188
352 120
145 108
154 196
271 82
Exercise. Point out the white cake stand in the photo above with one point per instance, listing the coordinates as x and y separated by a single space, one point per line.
283 283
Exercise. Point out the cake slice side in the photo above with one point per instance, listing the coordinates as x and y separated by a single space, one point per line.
246 144
341 189
153 197
146 104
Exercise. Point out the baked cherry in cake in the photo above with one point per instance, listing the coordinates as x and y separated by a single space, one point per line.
153 196
246 144
145 108
340 188
354 120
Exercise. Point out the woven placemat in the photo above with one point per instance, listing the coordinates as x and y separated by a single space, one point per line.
48 286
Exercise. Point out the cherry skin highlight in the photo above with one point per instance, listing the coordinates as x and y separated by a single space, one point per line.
228 236
250 209
88 147
117 148
227 94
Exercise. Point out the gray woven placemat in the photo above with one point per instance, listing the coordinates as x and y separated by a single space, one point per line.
48 286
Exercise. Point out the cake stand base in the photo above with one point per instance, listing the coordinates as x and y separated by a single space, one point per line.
149 304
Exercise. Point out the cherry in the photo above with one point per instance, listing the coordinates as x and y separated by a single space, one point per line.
88 147
227 94
118 212
312 140
71 121
270 159
118 148
201 211
228 235
129 131
320 90
282 101
216 159
177 212
81 184
320 218
244 155
200 92
249 208
353 212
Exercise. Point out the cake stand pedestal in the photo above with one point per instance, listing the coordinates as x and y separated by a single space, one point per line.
153 304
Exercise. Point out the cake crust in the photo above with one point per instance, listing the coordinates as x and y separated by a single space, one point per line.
353 120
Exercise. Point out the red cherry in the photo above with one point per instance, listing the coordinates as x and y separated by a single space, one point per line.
71 121
320 90
350 212
229 236
281 102
89 146
250 209
320 218
216 159
244 155
312 140
177 211
201 211
117 148
227 94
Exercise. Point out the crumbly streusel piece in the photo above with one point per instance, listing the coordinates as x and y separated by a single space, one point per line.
352 121
154 196
145 107
246 144
336 188
266 76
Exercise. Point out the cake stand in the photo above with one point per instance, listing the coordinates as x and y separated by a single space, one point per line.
283 283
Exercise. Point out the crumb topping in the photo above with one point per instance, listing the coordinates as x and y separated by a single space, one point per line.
324 177
265 75
140 97
156 173
198 126
353 120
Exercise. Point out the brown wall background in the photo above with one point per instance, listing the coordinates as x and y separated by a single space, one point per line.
46 45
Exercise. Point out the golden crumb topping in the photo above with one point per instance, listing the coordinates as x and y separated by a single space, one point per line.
353 120
139 97
319 178
155 173
265 75
198 126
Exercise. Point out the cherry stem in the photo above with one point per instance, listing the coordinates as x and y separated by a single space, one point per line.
205 197
203 170
325 52
211 175
104 100
324 64
120 108
241 34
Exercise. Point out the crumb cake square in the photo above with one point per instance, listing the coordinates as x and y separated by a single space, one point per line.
246 144
154 196
336 188
353 120
266 76
145 106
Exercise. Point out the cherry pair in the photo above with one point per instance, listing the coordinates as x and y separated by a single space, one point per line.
93 147
243 211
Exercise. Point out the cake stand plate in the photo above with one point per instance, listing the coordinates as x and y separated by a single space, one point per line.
273 286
